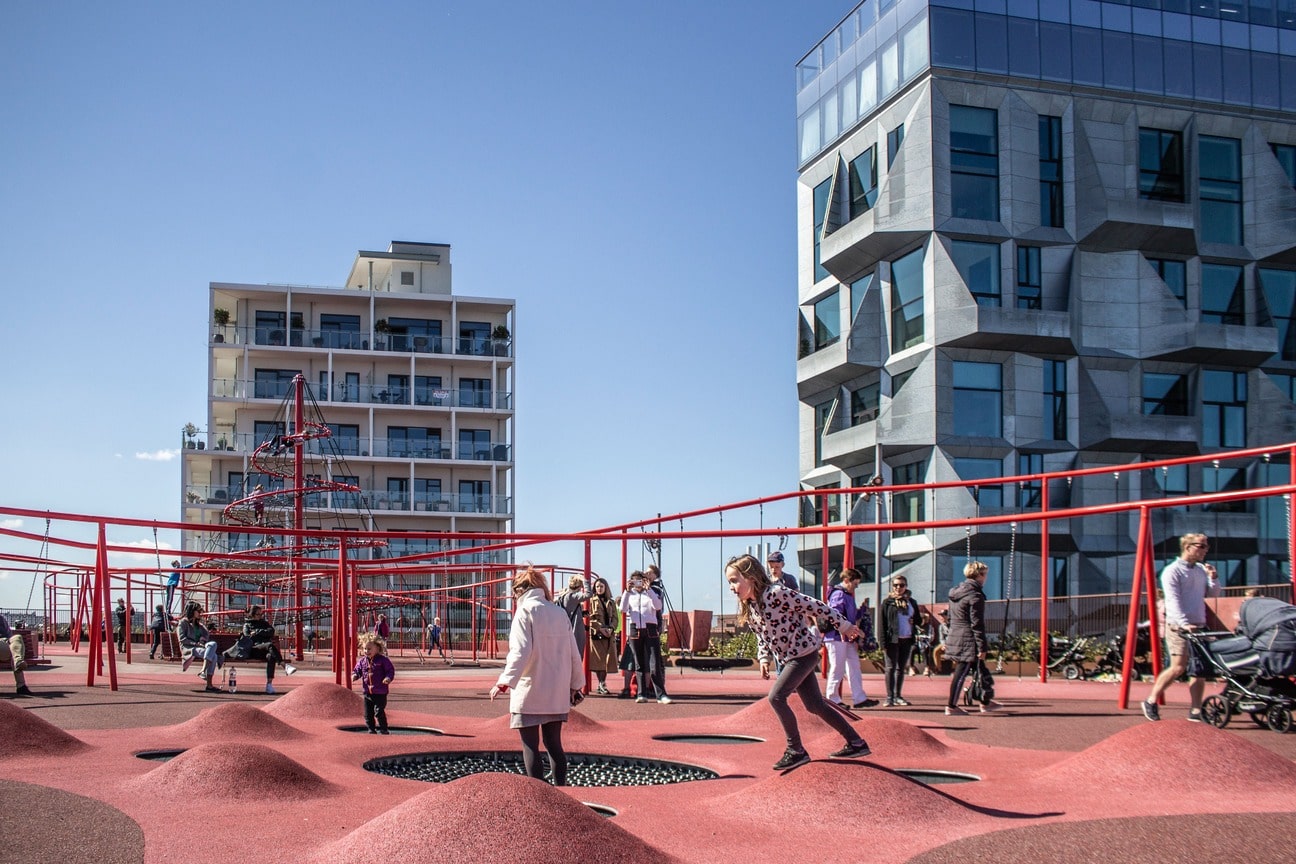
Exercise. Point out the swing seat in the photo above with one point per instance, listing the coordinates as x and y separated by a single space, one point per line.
713 664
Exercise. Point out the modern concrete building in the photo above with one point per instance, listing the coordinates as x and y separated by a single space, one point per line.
414 383
1039 235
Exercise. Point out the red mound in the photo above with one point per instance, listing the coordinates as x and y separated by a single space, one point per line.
889 739
233 771
236 719
1174 753
318 700
813 795
491 817
759 719
68 828
22 733
576 722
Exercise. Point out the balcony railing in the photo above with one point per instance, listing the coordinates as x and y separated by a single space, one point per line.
396 448
366 499
345 340
368 394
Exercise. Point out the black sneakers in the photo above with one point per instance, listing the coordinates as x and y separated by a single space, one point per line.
859 749
1150 711
791 759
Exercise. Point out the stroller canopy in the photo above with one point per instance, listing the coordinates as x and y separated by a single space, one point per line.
1270 624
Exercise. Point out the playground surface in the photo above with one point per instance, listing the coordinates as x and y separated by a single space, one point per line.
1064 775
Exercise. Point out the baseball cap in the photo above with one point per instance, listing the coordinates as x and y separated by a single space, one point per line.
775 556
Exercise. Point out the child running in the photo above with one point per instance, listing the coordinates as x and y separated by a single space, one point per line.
375 672
777 615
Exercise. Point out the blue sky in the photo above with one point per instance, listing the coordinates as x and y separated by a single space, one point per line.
626 171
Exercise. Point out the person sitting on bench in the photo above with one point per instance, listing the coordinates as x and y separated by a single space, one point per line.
258 638
13 649
196 644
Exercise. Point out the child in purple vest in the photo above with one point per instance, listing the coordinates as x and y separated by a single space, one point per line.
374 672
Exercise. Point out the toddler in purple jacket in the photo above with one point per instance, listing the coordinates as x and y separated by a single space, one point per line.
374 672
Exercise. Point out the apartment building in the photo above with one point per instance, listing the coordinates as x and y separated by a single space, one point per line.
1040 235
413 383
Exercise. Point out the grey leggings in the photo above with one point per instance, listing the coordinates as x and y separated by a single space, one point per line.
799 675
552 733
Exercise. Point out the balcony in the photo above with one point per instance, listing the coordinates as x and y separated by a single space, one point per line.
366 394
198 494
232 335
244 443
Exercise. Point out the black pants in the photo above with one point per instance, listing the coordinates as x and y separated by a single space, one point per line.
897 663
962 669
552 733
376 708
157 640
799 676
272 655
648 665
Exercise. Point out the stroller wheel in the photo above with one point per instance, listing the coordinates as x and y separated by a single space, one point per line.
1279 719
1258 718
1215 711
1071 671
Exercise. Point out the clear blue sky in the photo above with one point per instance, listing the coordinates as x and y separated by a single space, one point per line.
626 171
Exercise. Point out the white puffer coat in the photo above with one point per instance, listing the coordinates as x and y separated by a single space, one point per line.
543 666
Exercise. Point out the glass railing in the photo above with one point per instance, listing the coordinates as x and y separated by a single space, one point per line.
347 340
372 499
242 443
366 394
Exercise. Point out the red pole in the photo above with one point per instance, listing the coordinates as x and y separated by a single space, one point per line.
823 558
106 579
1291 522
1131 629
1044 582
339 622
299 499
589 583
1154 616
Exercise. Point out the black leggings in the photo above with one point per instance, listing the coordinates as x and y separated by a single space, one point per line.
799 675
962 669
552 733
897 664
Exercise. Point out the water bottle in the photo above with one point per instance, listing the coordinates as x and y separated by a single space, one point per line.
233 684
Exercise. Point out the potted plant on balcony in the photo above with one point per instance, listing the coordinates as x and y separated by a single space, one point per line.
221 317
190 434
382 328
501 336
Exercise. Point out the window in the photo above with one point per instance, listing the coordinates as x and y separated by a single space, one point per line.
475 496
1285 383
907 301
978 264
899 380
346 437
346 499
865 403
398 493
1029 491
827 321
474 444
340 331
1224 480
858 289
398 390
1171 481
1279 288
978 399
474 337
266 430
270 327
1222 294
815 506
1165 394
1059 578
1029 281
822 203
908 506
1174 274
474 392
1224 397
1286 155
823 424
894 139
413 442
407 277
1232 572
863 182
1055 399
982 469
1221 189
427 390
1050 168
416 334
974 162
273 383
427 493
1161 166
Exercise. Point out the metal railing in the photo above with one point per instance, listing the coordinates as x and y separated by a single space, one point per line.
351 340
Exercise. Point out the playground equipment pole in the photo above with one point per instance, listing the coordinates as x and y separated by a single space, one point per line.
299 501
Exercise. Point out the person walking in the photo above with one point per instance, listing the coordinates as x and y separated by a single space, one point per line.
843 657
572 601
157 626
542 674
777 616
1186 583
966 644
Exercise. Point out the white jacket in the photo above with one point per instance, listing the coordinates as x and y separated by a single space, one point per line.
544 665
641 606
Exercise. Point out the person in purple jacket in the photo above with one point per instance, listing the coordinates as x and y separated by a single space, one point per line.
375 672
843 656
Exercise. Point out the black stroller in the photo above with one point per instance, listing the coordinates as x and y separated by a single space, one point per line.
1255 665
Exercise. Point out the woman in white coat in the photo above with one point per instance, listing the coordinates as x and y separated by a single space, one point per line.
543 674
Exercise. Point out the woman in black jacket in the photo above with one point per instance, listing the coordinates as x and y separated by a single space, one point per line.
966 644
259 634
898 617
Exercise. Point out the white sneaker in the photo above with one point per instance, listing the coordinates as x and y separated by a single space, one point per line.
270 688
289 668
663 700
186 663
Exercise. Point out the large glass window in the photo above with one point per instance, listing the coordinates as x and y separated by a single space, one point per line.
415 334
978 264
1286 155
863 182
1055 399
1224 479
1161 165
1221 189
907 301
822 203
1174 274
858 289
1223 408
1029 491
865 403
1279 288
346 438
974 162
413 442
1165 394
427 390
475 338
827 321
1060 578
823 424
894 139
1222 296
273 383
1050 168
982 469
474 392
978 399
474 444
1029 278
340 331
908 506
269 327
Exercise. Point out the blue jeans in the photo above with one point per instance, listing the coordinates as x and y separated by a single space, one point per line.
210 657
799 675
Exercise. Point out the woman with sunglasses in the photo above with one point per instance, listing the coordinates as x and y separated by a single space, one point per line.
778 617
899 621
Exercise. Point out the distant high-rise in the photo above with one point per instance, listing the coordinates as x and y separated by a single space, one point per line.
1039 235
